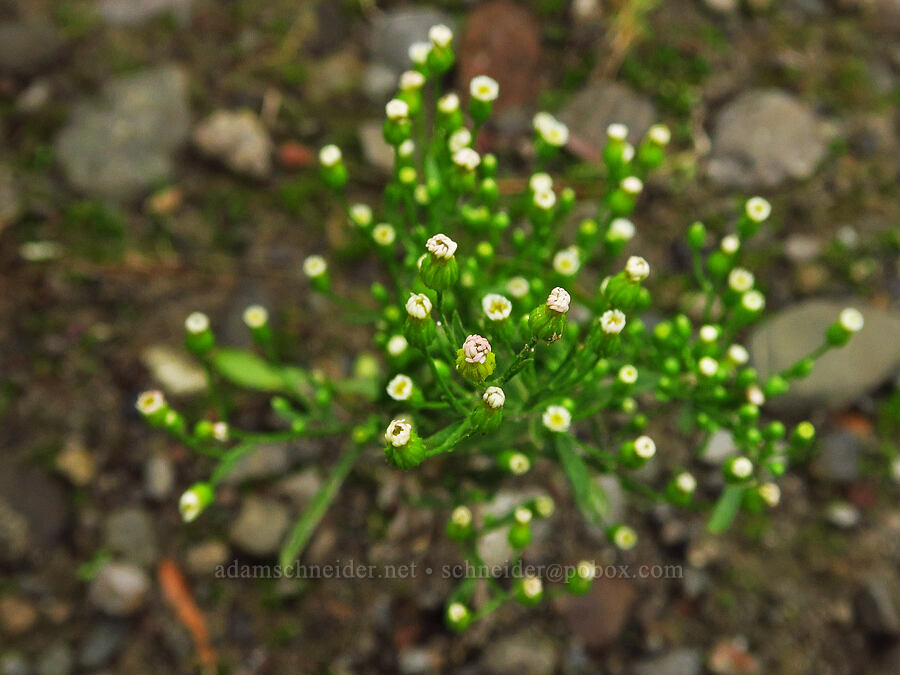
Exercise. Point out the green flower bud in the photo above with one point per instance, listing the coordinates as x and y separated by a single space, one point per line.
459 527
198 337
738 469
419 329
529 591
195 500
439 269
153 407
404 449
514 462
839 333
680 490
331 167
623 537
580 579
457 617
635 454
548 321
696 236
475 360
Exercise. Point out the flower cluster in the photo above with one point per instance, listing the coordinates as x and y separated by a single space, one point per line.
503 336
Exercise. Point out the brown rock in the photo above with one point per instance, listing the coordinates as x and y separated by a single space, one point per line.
502 39
17 615
599 617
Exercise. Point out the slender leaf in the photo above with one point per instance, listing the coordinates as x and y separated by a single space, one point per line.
589 496
248 370
726 509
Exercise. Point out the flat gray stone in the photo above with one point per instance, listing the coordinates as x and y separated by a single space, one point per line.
260 526
130 533
119 146
677 662
27 48
842 375
264 461
765 137
594 108
119 589
523 653
393 32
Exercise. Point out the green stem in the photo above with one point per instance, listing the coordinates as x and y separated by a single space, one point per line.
522 359
306 524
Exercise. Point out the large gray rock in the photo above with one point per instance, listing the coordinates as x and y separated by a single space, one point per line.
120 145
594 108
267 460
842 375
27 48
239 140
393 33
677 662
130 534
260 526
765 137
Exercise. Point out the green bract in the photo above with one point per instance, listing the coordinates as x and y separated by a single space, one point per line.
505 337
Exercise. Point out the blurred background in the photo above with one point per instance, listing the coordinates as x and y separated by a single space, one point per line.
158 157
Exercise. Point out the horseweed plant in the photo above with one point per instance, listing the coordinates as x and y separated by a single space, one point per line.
498 343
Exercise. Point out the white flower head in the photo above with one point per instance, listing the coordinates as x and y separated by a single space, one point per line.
742 467
448 104
494 398
396 109
770 493
361 214
559 300
544 506
400 388
398 433
753 301
540 182
628 152
150 402
519 463
330 155
496 307
755 395
461 516
411 80
542 121
730 244
518 287
556 134
456 612
384 234
544 200
467 158
220 432
617 132
612 321
397 345
557 418
418 52
459 139
621 229
685 482
567 261
532 587
441 246
484 88
523 515
895 469
406 150
851 320
256 316
709 333
314 266
190 505
586 570
644 447
197 322
659 134
632 185
738 355
624 538
708 366
440 35
476 348
628 374
740 280
418 306
637 268
757 209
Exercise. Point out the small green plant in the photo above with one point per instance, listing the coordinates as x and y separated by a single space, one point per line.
500 341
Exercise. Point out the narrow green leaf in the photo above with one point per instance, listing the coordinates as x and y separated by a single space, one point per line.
589 496
726 509
247 370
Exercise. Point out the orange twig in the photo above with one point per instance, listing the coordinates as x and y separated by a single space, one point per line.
178 597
